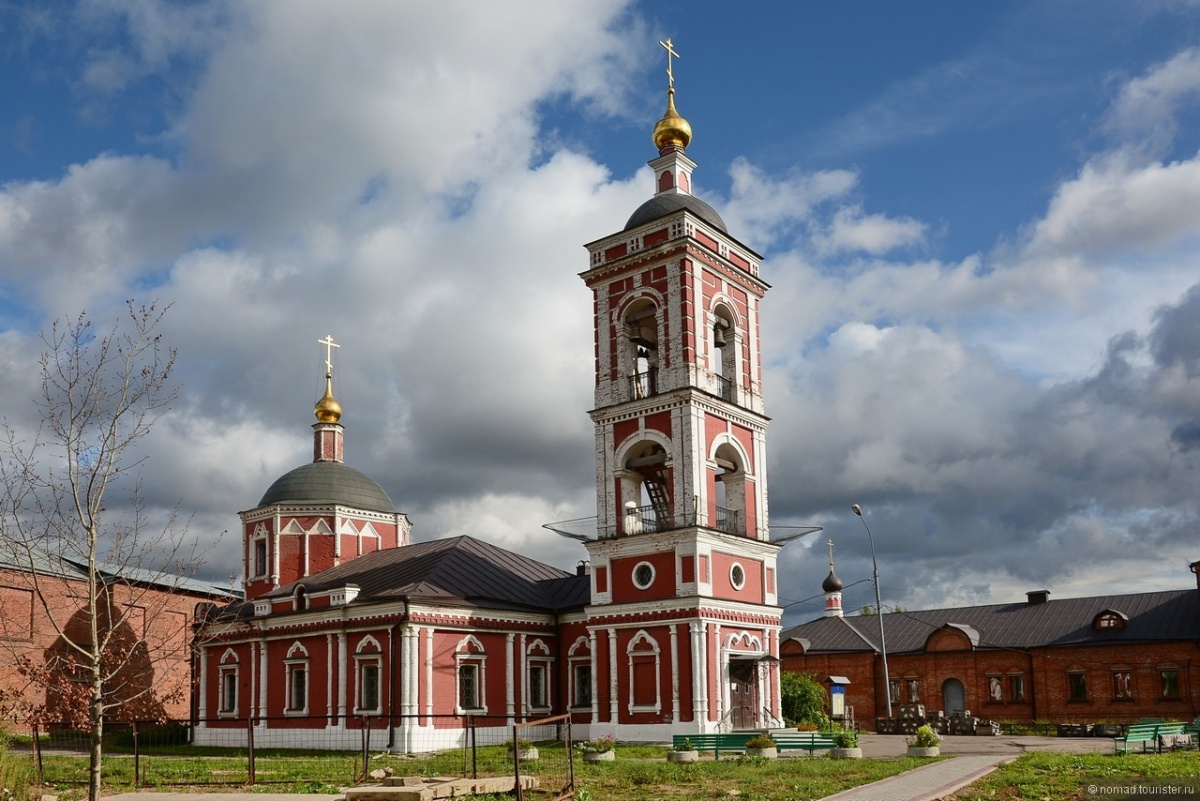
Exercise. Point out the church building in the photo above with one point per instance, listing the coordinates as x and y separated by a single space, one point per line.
671 627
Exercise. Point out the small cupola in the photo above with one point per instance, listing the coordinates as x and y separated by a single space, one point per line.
1036 597
832 587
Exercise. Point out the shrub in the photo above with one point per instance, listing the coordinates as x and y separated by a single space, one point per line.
806 726
683 745
601 744
521 745
924 738
760 741
803 699
846 738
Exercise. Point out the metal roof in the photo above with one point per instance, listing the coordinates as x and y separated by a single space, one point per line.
662 205
1151 616
457 570
329 482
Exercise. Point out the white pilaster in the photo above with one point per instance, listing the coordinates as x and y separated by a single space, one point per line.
511 688
595 678
203 687
613 706
341 679
674 674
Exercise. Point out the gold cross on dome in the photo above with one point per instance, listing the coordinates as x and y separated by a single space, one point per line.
830 544
670 47
329 346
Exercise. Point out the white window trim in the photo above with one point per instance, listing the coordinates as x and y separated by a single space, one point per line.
737 566
297 659
228 665
260 537
633 651
653 575
574 660
464 655
366 658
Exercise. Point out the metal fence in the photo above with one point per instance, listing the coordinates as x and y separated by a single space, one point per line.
311 753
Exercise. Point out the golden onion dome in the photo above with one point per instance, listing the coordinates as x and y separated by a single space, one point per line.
328 410
672 131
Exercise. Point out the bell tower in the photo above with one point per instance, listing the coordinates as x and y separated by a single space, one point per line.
681 494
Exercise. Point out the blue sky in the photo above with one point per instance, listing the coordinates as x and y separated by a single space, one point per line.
979 221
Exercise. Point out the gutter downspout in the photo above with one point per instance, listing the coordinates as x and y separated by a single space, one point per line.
1032 688
392 675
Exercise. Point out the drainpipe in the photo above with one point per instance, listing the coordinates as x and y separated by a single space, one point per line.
392 674
1032 688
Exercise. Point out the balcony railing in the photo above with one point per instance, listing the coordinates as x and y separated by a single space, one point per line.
643 385
724 387
729 521
644 520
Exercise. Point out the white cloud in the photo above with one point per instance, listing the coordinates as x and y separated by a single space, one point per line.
853 230
1144 113
1114 205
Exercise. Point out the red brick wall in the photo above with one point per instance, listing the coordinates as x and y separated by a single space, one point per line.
1045 671
159 618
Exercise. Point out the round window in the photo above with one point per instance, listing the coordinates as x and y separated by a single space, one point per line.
737 576
643 575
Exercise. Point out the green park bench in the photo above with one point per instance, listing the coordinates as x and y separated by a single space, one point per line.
731 741
809 741
1157 734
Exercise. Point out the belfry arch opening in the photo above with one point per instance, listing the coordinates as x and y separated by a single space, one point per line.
641 360
646 490
724 337
728 506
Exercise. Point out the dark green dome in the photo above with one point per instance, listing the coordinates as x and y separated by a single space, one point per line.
329 482
662 205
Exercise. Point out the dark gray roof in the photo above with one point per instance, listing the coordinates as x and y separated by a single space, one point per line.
1152 616
73 567
662 205
329 482
458 570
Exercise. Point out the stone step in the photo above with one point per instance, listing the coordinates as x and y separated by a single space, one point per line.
416 788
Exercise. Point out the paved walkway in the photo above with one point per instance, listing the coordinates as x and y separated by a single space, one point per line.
926 783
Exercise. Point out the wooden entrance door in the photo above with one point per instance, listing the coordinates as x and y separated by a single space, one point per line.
743 695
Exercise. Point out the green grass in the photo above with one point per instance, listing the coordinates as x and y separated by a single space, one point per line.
640 772
1065 777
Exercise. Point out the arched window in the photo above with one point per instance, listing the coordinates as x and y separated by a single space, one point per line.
296 674
228 687
538 672
368 667
580 658
470 660
728 504
645 482
640 360
723 356
645 687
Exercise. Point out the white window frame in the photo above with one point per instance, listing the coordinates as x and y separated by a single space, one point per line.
579 656
633 651
364 659
735 584
227 667
634 578
537 657
470 653
297 662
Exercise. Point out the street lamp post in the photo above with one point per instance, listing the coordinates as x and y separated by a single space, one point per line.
887 682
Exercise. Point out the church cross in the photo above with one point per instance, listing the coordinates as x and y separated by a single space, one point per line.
830 544
670 47
329 346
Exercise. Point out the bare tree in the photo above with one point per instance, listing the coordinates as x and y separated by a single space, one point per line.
108 624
